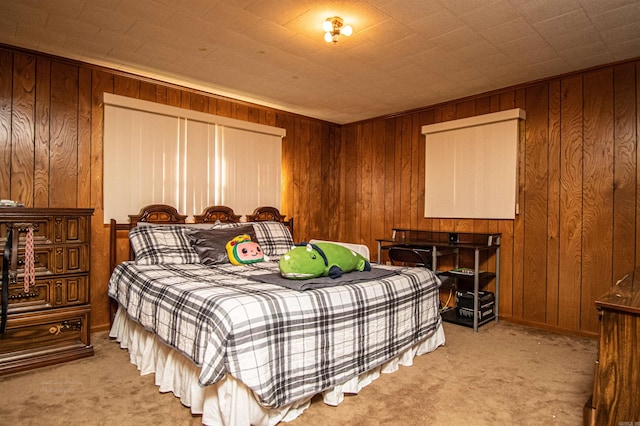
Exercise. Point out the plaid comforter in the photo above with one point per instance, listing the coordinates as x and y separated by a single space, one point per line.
283 344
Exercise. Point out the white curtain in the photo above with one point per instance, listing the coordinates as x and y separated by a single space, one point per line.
250 170
471 166
158 154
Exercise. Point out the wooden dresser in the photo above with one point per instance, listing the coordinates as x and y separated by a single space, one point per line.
616 384
47 323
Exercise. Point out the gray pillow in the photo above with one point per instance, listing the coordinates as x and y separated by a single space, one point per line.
210 244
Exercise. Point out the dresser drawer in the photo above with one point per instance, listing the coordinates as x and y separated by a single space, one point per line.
47 260
52 229
43 338
49 292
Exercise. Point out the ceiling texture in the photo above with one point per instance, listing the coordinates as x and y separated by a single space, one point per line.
403 54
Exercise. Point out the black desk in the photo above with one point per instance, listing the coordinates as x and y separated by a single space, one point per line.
452 243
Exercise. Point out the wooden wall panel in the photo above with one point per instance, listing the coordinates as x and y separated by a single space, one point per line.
378 198
405 156
570 202
624 169
396 186
84 138
287 167
148 91
22 126
417 164
41 143
101 82
63 158
553 206
304 198
597 190
637 212
349 153
315 216
6 82
126 86
535 196
365 153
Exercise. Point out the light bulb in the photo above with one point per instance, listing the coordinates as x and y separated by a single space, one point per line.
327 26
328 37
346 30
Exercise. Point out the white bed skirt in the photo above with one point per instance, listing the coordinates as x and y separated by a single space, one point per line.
230 402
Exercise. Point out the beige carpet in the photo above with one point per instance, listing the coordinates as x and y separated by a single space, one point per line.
506 374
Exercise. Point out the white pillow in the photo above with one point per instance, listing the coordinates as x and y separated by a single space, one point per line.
162 244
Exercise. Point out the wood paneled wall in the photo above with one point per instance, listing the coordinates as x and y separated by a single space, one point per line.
51 124
577 231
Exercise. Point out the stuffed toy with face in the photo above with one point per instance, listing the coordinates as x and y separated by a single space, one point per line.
321 260
242 251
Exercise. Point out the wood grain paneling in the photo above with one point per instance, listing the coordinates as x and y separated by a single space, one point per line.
517 280
597 191
6 80
63 158
578 227
101 82
624 169
553 206
22 127
378 199
389 175
535 173
84 138
41 146
570 202
637 212
303 171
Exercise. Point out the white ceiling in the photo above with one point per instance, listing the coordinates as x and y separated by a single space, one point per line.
403 54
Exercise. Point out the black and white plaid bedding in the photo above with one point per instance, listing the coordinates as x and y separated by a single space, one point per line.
283 344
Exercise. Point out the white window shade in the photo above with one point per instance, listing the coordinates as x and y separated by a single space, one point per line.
471 166
251 171
159 154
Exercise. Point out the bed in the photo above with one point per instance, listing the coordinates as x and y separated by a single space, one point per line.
239 346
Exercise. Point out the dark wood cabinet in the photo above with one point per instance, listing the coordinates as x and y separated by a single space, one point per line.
49 322
616 383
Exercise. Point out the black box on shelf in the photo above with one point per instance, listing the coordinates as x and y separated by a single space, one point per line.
468 313
464 304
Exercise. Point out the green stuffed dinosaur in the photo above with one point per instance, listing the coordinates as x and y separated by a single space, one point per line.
321 260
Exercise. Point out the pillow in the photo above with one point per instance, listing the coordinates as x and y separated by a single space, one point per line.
242 251
162 244
274 237
210 244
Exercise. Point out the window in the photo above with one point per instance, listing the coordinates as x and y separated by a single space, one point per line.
471 166
155 153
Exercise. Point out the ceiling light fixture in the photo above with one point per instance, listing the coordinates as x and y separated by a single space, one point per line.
334 27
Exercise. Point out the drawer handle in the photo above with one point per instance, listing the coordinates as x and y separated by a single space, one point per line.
23 295
74 325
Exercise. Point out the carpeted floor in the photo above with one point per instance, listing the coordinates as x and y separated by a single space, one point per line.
504 375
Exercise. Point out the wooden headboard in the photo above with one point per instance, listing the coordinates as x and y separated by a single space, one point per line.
270 213
212 214
165 214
